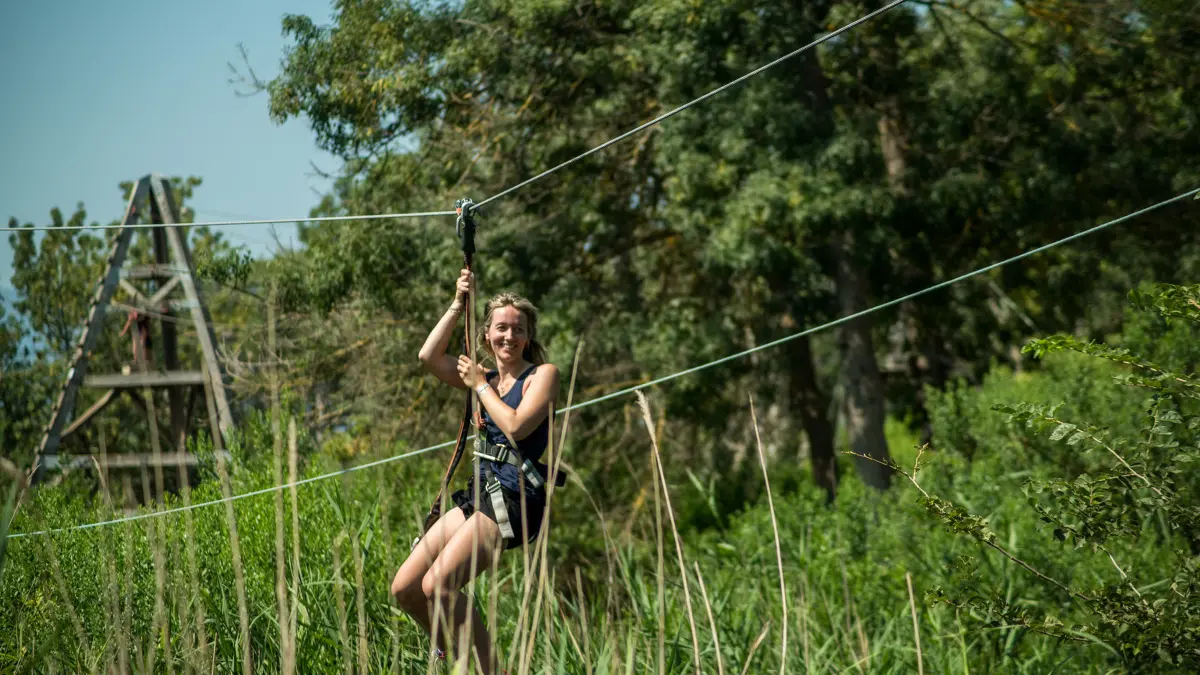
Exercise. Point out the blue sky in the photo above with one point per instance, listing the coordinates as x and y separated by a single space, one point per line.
96 93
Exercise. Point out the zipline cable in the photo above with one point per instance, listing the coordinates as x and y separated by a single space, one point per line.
893 302
225 223
651 383
685 106
255 493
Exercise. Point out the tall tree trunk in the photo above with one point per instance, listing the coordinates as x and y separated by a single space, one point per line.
861 379
806 397
805 394
891 143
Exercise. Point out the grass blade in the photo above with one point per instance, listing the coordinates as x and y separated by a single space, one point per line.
912 604
775 529
687 596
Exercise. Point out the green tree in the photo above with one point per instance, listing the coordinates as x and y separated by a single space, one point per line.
50 277
23 388
917 147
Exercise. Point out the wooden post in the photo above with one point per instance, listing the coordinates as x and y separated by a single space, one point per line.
47 453
204 333
170 339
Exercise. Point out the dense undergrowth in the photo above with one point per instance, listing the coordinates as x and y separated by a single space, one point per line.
1032 550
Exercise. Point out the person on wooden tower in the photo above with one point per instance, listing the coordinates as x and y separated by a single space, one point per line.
141 340
505 510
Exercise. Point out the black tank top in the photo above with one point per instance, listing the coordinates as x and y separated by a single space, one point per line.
531 447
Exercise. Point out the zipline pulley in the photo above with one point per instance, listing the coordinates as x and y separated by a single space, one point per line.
464 227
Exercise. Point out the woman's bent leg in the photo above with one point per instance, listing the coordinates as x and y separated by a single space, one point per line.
453 569
406 586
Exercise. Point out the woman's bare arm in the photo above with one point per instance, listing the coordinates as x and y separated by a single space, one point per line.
433 353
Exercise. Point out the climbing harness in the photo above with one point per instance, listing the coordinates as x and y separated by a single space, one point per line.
491 485
464 227
503 454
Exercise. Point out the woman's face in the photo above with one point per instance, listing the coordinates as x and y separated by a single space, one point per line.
508 334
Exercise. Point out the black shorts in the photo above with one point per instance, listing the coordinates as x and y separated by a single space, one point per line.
534 510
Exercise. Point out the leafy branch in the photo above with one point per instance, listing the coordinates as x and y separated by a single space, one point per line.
1039 418
1058 343
957 519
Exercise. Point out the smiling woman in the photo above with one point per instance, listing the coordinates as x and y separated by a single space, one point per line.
506 509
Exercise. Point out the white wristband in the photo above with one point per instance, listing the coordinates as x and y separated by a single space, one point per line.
479 390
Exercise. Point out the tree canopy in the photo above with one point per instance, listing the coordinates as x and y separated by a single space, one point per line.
926 143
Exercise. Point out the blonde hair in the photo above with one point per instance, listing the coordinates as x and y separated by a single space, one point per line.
534 352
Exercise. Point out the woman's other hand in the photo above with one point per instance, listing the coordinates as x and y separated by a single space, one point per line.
472 373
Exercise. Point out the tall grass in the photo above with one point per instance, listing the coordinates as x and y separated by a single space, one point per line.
235 548
856 570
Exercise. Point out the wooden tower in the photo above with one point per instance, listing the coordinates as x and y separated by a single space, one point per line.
173 286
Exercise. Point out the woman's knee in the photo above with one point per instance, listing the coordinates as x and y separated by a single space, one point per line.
469 552
439 586
407 591
432 585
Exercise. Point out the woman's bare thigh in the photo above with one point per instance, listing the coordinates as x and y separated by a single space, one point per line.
408 577
452 569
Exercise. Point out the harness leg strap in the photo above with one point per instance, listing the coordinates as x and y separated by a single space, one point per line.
498 506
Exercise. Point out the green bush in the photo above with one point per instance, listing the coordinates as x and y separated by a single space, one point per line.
1118 488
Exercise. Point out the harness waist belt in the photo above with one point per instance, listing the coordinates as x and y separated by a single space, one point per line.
505 455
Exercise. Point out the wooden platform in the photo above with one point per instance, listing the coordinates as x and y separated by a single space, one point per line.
170 378
125 460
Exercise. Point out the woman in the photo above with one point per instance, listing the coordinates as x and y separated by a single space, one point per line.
516 400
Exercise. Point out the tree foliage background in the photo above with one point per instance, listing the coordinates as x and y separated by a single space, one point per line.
922 145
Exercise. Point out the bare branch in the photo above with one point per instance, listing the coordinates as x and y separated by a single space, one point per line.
1015 44
317 172
246 79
